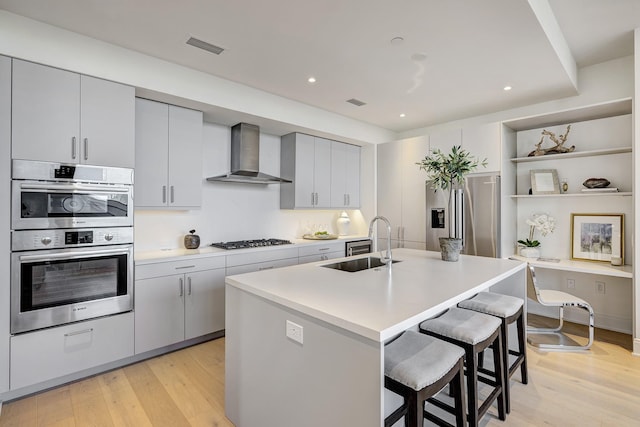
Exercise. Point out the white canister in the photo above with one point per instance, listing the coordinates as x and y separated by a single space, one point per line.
342 223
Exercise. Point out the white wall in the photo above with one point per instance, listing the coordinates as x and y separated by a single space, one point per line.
34 41
233 211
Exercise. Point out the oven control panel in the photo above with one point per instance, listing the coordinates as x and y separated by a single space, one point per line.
25 240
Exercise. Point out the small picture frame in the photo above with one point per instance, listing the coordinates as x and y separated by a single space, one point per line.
545 181
597 237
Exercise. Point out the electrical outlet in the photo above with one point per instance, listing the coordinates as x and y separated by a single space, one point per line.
600 288
295 331
571 284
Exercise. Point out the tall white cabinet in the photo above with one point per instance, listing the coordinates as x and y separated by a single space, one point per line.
67 117
168 156
402 192
5 218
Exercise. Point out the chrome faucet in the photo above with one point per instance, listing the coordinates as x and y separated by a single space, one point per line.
384 259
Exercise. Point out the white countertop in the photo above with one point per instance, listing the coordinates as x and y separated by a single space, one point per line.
378 303
145 257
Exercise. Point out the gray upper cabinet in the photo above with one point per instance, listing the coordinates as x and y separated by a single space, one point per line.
61 116
168 156
305 160
345 176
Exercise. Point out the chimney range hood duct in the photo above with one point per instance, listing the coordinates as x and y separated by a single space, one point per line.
245 158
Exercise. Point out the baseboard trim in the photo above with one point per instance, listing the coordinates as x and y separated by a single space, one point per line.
636 347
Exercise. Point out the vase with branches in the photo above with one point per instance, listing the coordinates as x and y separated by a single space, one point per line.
447 172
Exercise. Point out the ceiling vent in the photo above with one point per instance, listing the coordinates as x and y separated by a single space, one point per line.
356 102
205 46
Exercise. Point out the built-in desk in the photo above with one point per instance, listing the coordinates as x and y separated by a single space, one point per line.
589 267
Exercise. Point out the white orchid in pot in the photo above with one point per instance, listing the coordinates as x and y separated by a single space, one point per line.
447 171
544 224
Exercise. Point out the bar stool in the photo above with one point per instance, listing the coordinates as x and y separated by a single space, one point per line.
474 332
417 367
508 309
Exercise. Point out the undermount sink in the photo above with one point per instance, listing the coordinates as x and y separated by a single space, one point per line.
358 264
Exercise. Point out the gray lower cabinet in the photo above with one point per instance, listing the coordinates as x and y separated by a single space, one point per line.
265 259
323 252
177 301
55 352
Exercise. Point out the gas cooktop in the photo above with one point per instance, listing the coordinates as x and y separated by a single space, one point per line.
243 244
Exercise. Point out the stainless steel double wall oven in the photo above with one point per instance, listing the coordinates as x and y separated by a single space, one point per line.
71 242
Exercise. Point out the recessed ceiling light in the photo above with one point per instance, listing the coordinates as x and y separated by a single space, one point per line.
507 88
403 115
397 40
311 79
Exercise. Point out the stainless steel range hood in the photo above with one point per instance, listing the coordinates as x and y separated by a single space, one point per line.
245 158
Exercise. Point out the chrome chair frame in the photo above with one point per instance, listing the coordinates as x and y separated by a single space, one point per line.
561 300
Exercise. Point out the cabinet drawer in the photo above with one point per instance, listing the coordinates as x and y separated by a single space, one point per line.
248 268
322 248
43 355
262 256
188 265
320 257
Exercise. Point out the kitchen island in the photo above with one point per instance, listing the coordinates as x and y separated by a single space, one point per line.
305 344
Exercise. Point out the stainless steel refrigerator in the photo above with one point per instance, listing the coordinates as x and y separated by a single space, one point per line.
481 227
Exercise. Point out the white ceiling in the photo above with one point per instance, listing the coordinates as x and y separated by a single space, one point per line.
456 56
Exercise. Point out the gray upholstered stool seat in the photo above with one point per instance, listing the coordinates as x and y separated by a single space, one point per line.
474 332
417 367
508 309
494 304
462 325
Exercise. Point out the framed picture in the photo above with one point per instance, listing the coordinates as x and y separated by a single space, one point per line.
544 181
597 237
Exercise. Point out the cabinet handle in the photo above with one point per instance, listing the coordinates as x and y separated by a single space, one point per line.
172 194
324 258
84 331
324 249
184 266
73 148
313 199
189 285
350 252
265 268
316 202
86 148
181 287
164 194
348 199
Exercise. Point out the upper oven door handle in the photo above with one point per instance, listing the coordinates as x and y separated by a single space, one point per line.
75 187
74 254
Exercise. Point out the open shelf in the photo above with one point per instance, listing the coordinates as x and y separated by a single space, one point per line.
573 155
533 196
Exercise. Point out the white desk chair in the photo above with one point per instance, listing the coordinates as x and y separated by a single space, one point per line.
553 298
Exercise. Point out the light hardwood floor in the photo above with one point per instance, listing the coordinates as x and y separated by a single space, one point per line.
600 387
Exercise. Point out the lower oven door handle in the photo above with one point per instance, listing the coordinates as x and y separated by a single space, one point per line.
76 187
78 254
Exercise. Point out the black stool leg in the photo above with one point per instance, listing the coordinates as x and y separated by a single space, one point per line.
522 348
504 333
471 357
500 377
